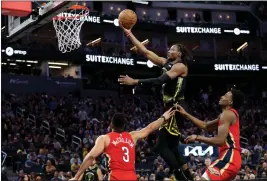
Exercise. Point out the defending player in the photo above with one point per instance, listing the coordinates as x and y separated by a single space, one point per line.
173 81
119 148
227 166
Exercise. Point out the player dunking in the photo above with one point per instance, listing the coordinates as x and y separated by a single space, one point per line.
173 80
227 166
119 147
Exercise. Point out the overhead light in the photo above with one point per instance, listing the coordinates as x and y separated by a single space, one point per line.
54 67
57 63
3 63
140 2
20 60
31 61
242 46
12 64
28 65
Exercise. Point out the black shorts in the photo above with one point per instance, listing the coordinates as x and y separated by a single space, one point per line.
178 117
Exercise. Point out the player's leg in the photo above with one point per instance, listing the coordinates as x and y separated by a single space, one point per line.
175 149
162 148
183 172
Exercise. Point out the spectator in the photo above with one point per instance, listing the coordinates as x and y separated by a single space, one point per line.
152 177
19 160
160 174
32 176
82 115
57 146
50 169
75 156
56 177
252 177
68 175
192 162
21 175
61 176
75 166
207 164
30 163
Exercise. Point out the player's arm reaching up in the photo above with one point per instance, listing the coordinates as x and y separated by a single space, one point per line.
142 49
226 119
207 126
90 157
143 133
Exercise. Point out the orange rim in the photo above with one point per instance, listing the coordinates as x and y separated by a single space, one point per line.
77 7
74 7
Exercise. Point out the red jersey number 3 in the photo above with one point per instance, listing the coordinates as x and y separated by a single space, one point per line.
121 151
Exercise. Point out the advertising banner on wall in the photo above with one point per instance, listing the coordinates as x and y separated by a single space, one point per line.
196 150
202 30
51 85
110 60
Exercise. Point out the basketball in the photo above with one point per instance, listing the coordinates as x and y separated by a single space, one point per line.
127 18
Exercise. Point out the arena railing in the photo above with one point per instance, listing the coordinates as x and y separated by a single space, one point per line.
45 124
76 140
60 132
31 118
20 112
243 141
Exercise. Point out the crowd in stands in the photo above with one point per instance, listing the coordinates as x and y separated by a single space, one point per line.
39 151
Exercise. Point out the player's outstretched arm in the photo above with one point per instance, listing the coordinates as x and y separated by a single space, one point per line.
90 157
143 133
226 119
207 126
142 49
176 70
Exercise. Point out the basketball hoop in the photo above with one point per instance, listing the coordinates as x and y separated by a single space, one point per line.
68 26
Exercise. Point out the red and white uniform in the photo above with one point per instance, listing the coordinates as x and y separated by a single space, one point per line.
227 166
121 156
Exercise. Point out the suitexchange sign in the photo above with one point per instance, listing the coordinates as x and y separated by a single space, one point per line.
210 30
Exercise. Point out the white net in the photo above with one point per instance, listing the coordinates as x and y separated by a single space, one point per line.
68 26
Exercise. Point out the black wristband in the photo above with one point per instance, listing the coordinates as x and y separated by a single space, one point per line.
163 117
196 137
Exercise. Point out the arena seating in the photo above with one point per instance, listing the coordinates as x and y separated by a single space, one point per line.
41 131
